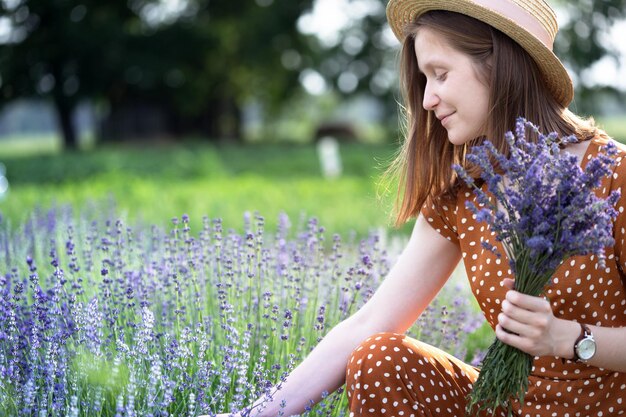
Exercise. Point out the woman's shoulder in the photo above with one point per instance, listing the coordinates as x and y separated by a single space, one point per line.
580 149
601 139
588 149
618 176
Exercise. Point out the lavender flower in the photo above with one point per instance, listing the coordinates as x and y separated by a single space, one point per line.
98 318
543 209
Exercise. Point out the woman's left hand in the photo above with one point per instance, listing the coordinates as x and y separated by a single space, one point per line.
532 326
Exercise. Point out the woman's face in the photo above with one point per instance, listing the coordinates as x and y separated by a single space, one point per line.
454 91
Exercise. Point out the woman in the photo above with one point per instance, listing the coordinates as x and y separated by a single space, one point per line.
469 69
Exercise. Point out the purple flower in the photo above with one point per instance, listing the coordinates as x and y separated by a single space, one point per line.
159 315
547 200
543 208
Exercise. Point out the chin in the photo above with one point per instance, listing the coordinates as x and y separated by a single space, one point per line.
458 141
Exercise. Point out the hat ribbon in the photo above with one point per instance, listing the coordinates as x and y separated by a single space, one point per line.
522 17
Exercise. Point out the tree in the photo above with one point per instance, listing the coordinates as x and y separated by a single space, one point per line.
192 72
582 42
363 60
221 56
63 51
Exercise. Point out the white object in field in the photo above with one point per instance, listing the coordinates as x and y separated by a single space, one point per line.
330 159
4 183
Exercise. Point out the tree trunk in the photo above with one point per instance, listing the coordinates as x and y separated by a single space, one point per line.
221 121
65 110
136 119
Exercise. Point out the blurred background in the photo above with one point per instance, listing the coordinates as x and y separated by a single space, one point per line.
165 107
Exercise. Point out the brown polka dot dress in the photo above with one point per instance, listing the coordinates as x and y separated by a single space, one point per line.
394 375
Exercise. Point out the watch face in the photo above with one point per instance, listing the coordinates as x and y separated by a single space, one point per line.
586 349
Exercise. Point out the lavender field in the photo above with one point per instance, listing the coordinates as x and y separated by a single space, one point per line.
103 318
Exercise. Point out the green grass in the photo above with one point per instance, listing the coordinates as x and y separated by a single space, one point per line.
615 126
154 184
29 144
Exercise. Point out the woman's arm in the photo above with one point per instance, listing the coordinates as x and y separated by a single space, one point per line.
421 270
538 332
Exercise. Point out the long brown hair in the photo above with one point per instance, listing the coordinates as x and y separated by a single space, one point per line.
424 164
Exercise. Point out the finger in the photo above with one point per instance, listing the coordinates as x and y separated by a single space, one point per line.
508 283
518 328
537 322
528 302
511 339
519 341
516 313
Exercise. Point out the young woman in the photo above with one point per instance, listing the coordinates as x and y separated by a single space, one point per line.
469 69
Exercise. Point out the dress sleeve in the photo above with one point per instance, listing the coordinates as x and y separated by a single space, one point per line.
442 217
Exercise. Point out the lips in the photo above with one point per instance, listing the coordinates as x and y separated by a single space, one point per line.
444 118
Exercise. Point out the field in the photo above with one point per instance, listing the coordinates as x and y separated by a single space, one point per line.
187 279
155 183
183 279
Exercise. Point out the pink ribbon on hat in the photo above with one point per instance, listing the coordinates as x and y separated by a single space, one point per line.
522 17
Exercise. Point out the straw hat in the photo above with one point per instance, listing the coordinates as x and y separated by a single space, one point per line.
530 23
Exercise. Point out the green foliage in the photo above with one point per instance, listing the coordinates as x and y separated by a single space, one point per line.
96 371
65 52
581 38
581 42
154 185
363 53
192 70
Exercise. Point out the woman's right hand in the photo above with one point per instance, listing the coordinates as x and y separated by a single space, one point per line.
421 270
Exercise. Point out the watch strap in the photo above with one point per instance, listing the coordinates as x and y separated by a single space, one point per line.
584 332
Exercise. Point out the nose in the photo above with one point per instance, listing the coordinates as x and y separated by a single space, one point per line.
431 99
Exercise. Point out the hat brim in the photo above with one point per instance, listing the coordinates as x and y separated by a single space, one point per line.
557 80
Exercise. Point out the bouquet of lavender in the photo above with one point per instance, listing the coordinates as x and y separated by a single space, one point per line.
543 209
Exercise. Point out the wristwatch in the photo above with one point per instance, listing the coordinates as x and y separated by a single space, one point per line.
585 345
